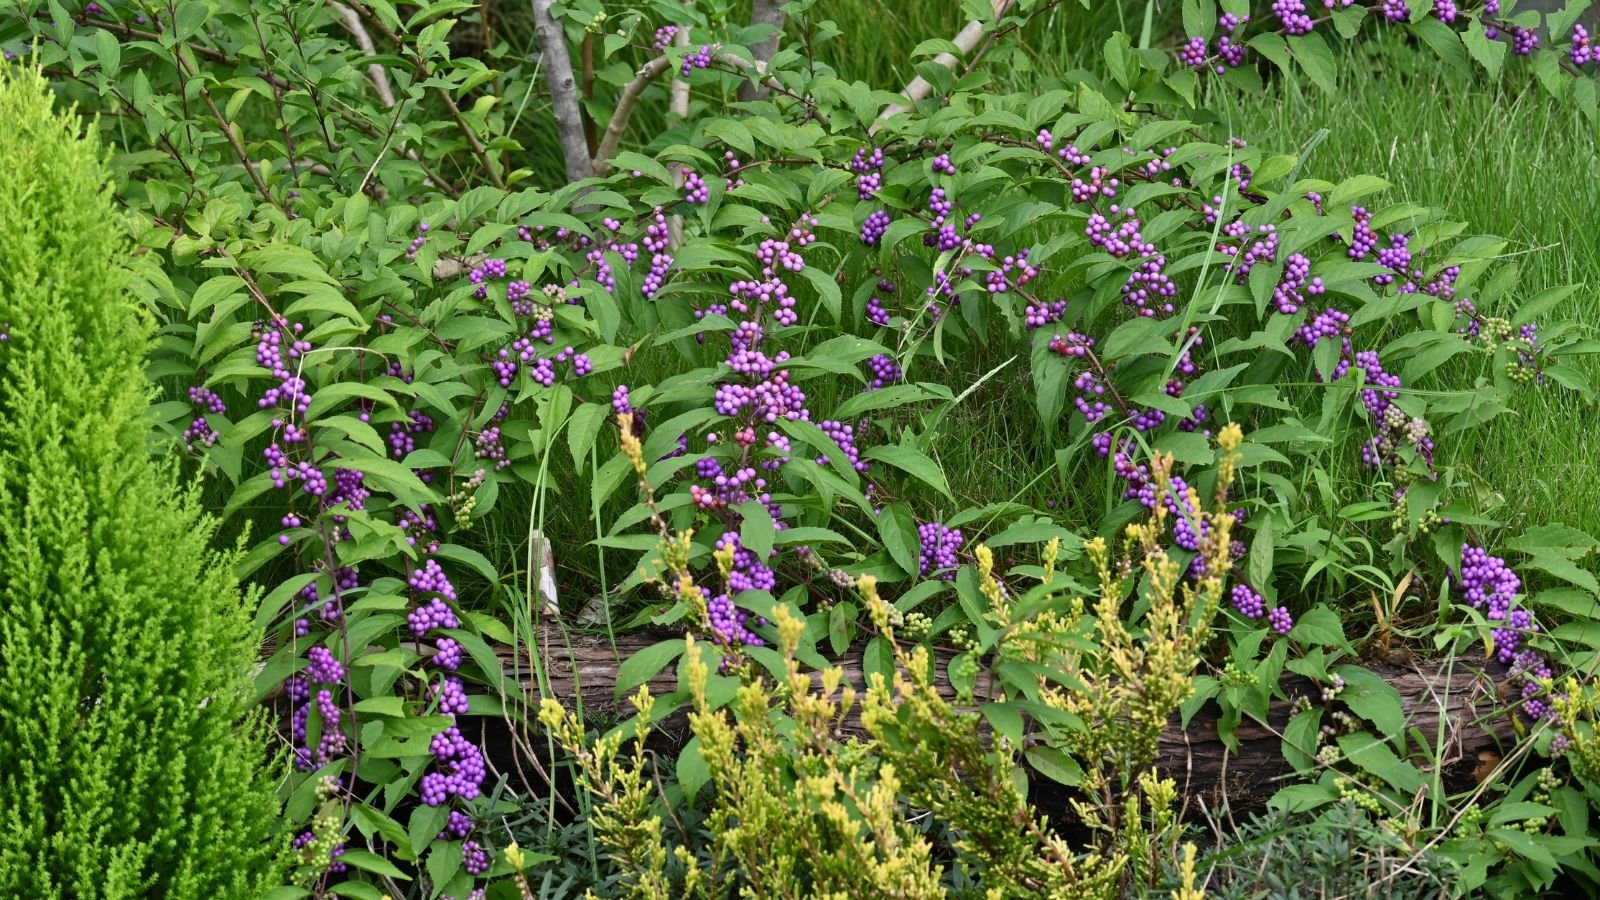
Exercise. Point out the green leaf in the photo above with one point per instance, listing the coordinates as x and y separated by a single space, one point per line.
692 771
1118 56
913 462
1314 56
1352 188
1566 570
1302 797
1199 18
878 658
756 531
391 707
1005 719
471 558
935 47
367 861
393 477
733 133
425 825
1272 46
286 259
582 429
1376 756
1054 765
372 822
892 397
842 625
1554 540
1571 601
108 51
213 290
1543 301
963 683
357 890
1347 21
1259 566
1442 39
1524 845
1372 698
1489 54
628 161
645 664
1300 740
898 531
1320 626
444 861
1558 24
1138 337
191 16
827 290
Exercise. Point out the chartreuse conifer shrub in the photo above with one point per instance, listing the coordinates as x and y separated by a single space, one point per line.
130 763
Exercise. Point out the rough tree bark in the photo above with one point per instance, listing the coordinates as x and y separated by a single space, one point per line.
764 12
556 60
1457 698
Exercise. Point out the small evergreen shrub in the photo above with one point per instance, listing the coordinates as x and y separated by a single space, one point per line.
129 766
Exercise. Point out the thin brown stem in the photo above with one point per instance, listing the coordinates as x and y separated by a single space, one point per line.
228 132
425 72
591 129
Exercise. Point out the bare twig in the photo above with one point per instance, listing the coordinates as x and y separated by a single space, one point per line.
649 72
424 71
965 40
557 64
378 75
625 104
763 12
228 131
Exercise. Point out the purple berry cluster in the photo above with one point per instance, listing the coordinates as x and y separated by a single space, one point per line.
418 241
874 227
938 550
1582 52
1289 294
699 59
1292 15
884 371
694 187
1293 19
1488 584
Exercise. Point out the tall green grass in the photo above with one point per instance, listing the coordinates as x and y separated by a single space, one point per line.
1504 158
1507 160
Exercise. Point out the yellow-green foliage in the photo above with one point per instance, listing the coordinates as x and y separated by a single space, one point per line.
799 811
124 767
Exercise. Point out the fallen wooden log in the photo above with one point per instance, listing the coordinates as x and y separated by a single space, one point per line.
1457 697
